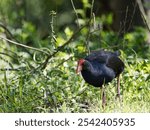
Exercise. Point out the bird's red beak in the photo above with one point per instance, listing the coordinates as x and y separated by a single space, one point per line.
80 66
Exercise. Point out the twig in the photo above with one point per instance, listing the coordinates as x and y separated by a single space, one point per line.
11 52
21 45
2 53
75 12
63 62
87 41
143 14
7 30
123 24
92 7
15 41
132 16
53 37
10 64
125 21
9 69
89 30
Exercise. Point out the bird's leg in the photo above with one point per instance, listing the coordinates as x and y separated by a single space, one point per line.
118 87
103 97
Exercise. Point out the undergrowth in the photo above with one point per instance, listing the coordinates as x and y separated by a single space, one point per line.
57 88
43 78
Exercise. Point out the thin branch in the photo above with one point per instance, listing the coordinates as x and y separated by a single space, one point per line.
87 40
144 16
75 12
11 37
11 52
53 37
9 69
89 29
125 21
63 62
22 45
132 16
10 64
1 53
123 24
92 8
7 30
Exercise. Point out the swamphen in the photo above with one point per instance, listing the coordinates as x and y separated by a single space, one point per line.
101 67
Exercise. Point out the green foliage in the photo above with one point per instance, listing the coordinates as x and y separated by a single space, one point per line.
25 87
137 41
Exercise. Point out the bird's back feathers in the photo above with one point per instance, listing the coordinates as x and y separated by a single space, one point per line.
106 65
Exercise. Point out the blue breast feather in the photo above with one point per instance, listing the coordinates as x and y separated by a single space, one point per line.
98 74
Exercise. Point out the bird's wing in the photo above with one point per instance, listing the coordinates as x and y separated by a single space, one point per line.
116 64
100 56
107 57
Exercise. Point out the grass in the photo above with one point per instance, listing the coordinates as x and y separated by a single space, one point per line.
61 90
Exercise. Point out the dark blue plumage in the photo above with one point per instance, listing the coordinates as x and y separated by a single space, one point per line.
101 67
97 74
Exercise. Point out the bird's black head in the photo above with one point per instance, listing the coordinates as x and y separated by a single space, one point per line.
80 65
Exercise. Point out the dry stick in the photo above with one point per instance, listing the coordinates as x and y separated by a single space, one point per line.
130 20
122 29
89 30
5 60
2 53
11 53
9 33
75 12
21 45
87 39
125 21
7 30
127 11
143 14
63 62
132 16
92 8
53 39
9 69
16 42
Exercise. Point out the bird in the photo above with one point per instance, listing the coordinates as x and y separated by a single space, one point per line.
101 67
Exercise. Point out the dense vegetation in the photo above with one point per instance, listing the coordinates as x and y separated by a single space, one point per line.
43 78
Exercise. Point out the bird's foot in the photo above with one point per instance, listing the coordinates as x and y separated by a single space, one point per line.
103 97
118 97
103 100
103 104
